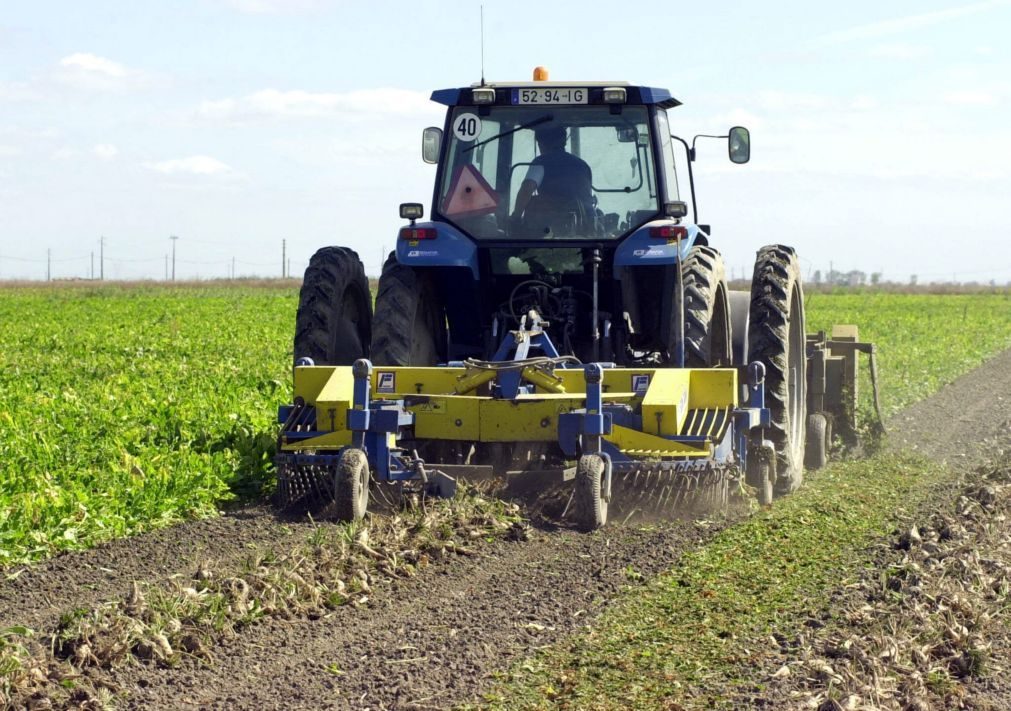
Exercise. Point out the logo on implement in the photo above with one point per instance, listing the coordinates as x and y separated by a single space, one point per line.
386 382
640 383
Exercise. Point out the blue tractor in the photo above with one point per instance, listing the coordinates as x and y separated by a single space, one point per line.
562 311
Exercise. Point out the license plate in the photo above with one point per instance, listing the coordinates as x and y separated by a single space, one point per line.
549 95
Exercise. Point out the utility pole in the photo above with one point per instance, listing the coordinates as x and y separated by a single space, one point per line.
49 264
233 267
284 251
101 258
289 267
173 238
91 272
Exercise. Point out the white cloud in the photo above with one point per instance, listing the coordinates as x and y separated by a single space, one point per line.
105 151
899 25
275 7
193 165
93 63
276 104
971 98
87 71
65 153
17 91
863 103
789 101
901 52
8 151
871 136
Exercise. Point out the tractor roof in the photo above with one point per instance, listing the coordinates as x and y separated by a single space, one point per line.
637 95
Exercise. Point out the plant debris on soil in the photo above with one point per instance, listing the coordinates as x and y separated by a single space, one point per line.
924 627
165 623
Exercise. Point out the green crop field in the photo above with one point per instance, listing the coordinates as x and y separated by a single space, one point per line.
124 408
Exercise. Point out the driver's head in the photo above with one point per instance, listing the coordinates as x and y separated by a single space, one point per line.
551 138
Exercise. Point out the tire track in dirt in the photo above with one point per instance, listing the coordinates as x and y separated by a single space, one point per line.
433 640
948 425
429 641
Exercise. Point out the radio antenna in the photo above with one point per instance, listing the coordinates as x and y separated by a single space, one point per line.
482 44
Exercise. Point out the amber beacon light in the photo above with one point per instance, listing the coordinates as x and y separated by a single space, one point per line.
540 74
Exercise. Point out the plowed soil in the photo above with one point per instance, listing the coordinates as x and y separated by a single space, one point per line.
434 640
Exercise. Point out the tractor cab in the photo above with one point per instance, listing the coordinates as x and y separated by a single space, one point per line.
543 161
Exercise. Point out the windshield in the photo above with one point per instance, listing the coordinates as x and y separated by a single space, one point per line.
555 172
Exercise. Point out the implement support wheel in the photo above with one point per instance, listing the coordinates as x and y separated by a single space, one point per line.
590 502
819 438
351 486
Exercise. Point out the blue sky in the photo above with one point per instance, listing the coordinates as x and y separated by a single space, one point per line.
881 131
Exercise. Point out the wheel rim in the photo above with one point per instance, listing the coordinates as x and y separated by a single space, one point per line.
796 364
721 348
363 487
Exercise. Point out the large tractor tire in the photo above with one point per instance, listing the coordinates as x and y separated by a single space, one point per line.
333 325
777 339
410 324
707 309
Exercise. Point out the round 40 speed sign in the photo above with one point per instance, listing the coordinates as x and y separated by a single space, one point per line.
467 127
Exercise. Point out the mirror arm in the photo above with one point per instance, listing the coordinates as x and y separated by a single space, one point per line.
690 151
705 135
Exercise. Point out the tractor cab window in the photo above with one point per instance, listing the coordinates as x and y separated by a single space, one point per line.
558 172
670 176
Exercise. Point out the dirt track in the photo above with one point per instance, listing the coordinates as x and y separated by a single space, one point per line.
433 640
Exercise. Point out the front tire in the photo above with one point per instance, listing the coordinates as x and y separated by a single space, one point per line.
777 339
333 325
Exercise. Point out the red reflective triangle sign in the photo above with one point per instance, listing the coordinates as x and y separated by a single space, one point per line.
469 194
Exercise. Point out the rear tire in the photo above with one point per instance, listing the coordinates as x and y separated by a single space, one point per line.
777 339
590 506
351 486
333 325
708 340
410 322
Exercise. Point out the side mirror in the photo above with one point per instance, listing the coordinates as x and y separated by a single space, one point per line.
411 211
431 142
739 145
675 208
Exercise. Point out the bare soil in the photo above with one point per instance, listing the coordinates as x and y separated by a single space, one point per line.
437 639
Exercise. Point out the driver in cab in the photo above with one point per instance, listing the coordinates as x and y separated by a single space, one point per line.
557 184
